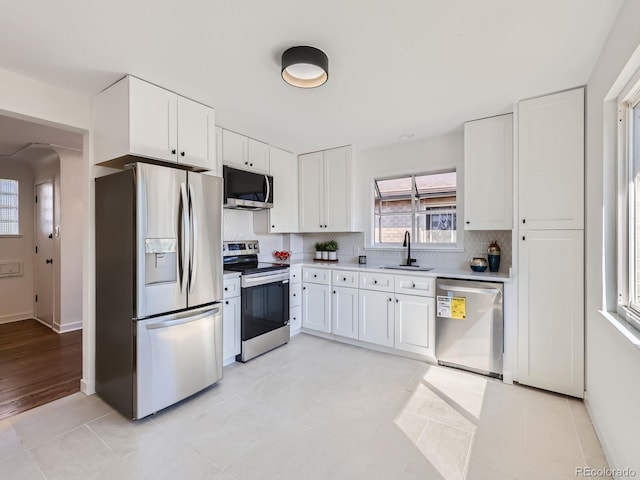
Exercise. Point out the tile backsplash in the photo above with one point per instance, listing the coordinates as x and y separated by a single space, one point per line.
238 225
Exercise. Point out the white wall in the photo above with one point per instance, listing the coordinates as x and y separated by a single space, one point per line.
612 363
17 293
72 234
238 225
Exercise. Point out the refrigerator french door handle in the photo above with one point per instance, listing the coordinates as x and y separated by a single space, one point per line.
185 234
193 247
266 199
179 320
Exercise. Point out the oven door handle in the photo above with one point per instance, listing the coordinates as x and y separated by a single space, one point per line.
248 282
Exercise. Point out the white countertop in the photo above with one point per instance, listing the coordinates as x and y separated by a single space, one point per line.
228 274
466 274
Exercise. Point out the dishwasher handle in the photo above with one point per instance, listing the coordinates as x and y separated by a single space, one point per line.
456 288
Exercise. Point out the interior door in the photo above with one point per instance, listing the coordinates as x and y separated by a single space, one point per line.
44 273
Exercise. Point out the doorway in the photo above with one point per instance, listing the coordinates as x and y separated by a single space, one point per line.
41 315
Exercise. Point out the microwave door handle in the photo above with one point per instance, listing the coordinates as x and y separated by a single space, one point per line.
193 250
185 235
266 179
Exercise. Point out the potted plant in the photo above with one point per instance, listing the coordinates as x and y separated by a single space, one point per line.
319 246
332 247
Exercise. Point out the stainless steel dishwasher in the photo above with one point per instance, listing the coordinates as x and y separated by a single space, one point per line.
470 325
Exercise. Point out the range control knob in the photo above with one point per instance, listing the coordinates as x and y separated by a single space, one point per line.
250 246
255 246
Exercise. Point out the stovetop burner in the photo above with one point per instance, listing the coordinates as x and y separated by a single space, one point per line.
242 256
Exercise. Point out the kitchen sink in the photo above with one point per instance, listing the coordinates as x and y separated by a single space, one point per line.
413 268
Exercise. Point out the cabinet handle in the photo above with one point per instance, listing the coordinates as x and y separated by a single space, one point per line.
325 226
334 292
413 285
173 151
251 164
523 238
182 154
273 226
467 222
344 279
304 288
389 298
246 163
226 289
524 220
397 301
294 294
375 282
315 276
226 302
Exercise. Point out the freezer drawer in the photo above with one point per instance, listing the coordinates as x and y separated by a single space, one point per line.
177 356
470 325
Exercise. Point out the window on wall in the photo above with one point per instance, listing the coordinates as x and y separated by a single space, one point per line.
629 217
9 212
424 205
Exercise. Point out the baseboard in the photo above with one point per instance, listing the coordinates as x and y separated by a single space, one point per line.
596 427
87 387
67 327
42 322
16 317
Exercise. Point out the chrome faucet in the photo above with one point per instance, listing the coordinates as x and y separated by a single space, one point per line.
407 243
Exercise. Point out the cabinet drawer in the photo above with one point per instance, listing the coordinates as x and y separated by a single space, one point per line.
295 274
415 285
376 281
231 288
344 279
295 294
316 275
295 318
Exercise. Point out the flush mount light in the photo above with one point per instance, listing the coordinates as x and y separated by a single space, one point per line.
305 67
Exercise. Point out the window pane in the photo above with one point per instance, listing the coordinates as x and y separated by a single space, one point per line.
436 227
436 183
395 187
635 210
391 228
393 206
9 215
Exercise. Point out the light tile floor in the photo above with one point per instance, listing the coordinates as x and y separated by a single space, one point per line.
314 409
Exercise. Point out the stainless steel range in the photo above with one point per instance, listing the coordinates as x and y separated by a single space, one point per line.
264 298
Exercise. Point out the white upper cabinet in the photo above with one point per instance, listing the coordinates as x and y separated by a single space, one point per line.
326 190
551 161
134 117
283 216
244 153
488 173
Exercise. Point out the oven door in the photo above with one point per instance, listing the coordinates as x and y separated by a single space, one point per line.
265 304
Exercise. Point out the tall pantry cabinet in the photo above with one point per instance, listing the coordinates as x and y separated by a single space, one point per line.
551 242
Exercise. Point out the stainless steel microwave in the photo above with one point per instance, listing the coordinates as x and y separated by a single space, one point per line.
247 190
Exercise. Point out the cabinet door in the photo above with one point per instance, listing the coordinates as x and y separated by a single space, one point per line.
337 189
231 328
258 156
196 134
311 193
283 217
414 320
344 312
153 121
488 170
551 312
551 161
375 317
235 149
295 319
316 307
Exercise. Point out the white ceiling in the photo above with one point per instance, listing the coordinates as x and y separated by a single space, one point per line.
421 67
17 134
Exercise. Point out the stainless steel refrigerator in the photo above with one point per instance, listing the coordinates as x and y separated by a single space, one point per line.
158 286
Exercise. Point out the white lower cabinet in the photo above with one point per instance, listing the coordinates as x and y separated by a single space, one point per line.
344 312
414 322
316 307
295 299
376 317
230 329
295 319
551 311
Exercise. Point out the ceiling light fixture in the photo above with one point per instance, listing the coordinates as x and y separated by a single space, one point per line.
305 67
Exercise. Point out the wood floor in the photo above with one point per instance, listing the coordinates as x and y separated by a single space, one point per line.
37 365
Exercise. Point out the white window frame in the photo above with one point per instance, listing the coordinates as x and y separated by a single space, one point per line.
627 101
458 246
17 208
